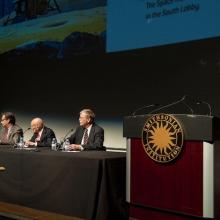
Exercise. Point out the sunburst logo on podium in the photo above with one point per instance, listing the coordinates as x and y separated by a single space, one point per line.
162 138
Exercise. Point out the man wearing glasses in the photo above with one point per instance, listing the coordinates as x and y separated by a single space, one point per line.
88 136
10 132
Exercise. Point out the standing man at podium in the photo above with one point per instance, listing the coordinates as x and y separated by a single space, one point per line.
88 136
10 132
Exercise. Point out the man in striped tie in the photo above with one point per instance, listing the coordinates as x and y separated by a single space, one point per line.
88 136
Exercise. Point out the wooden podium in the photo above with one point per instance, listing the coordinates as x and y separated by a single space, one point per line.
183 189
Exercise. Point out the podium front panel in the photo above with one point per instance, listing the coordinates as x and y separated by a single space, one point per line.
175 186
185 188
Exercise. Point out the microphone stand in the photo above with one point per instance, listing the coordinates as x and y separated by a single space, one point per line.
143 107
71 130
168 105
209 106
64 139
191 110
26 131
174 103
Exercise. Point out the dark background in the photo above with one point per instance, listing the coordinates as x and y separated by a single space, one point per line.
115 84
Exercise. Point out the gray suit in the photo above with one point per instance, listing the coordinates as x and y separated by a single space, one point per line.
14 135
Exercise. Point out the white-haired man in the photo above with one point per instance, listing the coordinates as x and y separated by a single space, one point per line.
88 136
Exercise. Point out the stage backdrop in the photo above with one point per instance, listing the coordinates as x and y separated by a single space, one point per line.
53 62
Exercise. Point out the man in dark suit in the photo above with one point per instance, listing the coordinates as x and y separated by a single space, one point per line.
88 136
42 136
10 133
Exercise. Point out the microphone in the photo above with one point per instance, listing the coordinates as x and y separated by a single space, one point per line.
206 103
18 132
143 107
64 139
191 110
71 130
22 136
172 104
26 130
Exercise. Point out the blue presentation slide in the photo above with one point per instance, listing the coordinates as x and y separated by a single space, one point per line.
133 24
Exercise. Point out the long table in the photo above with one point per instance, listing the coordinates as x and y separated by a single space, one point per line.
88 184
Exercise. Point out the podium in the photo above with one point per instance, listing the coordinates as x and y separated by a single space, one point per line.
185 188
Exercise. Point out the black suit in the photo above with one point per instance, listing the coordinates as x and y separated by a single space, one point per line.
95 141
45 139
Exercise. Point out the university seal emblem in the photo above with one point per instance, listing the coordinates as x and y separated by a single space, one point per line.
162 138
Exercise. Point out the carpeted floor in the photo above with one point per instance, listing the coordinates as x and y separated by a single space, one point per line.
10 211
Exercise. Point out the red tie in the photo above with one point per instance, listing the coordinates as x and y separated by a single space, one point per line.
86 137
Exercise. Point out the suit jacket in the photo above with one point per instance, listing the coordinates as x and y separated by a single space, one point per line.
14 134
95 141
45 139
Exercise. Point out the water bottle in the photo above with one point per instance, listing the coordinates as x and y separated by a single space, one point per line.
66 144
21 143
54 144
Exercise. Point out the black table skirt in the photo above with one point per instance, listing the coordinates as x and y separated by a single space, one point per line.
88 184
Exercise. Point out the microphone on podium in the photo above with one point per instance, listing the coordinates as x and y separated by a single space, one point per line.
144 107
174 103
190 108
206 103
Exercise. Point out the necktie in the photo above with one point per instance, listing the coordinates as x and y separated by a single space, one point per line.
37 137
86 137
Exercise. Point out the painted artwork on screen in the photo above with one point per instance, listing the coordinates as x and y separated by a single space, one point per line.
51 29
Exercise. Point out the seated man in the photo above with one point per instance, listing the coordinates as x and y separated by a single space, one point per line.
42 136
88 136
10 133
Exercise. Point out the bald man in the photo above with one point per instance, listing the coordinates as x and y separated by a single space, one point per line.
42 136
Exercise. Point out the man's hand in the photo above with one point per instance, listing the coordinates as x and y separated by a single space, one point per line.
76 147
30 144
